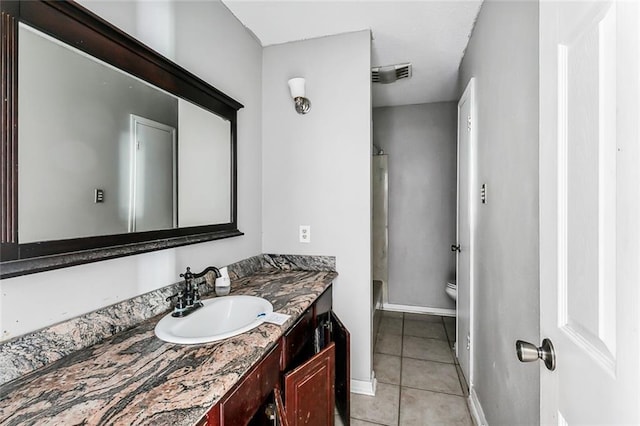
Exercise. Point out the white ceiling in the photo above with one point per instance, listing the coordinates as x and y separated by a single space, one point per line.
432 35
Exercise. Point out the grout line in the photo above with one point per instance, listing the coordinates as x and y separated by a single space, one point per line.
400 378
385 353
444 329
449 339
368 421
457 366
428 338
435 391
462 380
390 384
462 384
430 360
432 338
464 398
402 357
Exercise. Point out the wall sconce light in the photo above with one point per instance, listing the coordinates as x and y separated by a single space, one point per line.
296 85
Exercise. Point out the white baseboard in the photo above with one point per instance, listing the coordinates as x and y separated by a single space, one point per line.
476 409
419 310
364 387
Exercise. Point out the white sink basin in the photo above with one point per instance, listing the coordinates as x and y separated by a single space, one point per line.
218 319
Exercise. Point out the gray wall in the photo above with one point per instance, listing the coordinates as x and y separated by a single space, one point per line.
203 135
317 169
421 143
200 36
503 56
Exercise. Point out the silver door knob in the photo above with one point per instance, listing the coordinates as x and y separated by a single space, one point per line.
527 352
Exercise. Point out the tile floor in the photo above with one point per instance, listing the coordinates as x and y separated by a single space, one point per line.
419 381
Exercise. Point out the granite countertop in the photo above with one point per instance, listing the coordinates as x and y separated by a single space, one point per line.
135 378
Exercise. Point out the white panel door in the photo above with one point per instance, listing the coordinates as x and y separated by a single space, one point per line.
590 211
466 209
153 200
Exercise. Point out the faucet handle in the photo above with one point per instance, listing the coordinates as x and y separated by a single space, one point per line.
180 307
179 301
196 296
187 275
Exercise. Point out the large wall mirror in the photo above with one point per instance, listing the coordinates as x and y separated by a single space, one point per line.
108 149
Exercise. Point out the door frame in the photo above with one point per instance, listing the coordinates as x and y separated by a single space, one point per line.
133 172
468 96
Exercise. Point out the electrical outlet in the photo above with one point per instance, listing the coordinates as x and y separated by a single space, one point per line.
305 233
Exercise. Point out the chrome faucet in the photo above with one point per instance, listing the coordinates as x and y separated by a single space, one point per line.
188 300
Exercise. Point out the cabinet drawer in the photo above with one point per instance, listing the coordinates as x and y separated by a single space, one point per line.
297 338
239 405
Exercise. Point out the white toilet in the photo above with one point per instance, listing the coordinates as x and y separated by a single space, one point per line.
452 290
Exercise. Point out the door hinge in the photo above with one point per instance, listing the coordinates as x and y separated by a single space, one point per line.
468 123
270 412
468 342
138 145
329 325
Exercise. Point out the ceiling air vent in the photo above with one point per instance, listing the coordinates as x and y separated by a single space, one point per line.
390 73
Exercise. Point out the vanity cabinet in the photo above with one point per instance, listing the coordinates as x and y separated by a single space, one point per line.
309 367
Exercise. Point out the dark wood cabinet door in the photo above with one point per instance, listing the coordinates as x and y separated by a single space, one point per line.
342 339
281 414
310 390
213 416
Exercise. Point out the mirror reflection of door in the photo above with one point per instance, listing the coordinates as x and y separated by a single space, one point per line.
153 198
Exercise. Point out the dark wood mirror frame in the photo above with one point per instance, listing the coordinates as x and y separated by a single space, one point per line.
76 26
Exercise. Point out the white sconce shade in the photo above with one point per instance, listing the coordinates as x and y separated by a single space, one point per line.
296 86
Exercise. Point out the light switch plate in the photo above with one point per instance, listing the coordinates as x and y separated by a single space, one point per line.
98 196
305 233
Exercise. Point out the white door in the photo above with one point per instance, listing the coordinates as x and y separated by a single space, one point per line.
153 199
464 261
590 211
